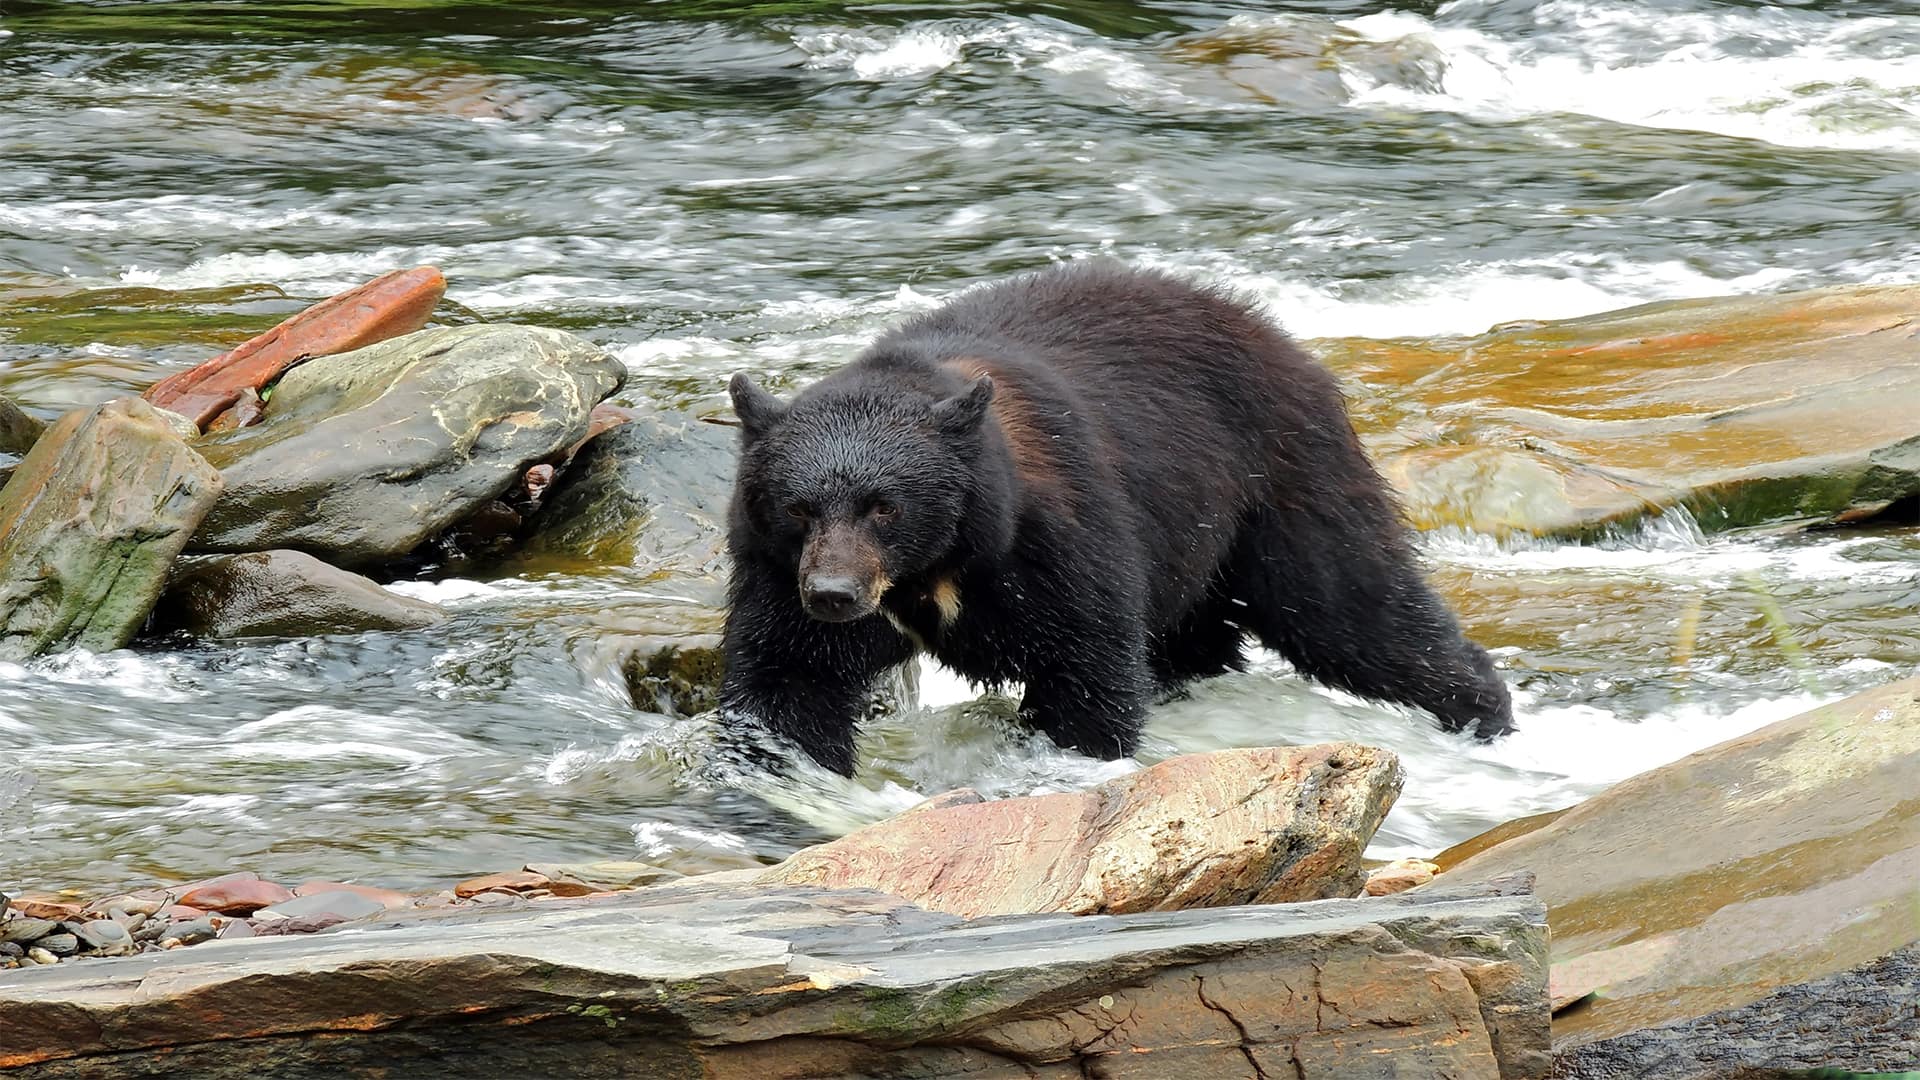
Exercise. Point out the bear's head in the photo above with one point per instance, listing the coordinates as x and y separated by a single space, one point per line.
855 486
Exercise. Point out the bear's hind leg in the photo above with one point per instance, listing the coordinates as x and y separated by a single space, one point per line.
1334 588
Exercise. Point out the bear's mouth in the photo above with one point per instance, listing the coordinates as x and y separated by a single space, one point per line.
837 598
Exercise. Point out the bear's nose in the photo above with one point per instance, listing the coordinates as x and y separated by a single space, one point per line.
830 598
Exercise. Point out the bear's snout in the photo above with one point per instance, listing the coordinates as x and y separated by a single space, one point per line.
842 575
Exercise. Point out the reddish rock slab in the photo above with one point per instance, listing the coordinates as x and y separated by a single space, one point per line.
46 908
236 897
386 307
516 881
392 898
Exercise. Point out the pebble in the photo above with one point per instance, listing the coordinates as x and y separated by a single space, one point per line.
190 933
104 936
41 956
27 928
12 951
62 944
518 881
390 898
238 928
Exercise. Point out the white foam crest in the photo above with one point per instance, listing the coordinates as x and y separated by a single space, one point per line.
1469 298
1812 85
1669 554
889 53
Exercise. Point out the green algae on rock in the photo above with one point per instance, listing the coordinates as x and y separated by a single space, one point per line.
362 457
1744 410
89 525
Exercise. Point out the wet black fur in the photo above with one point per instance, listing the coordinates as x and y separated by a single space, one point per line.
1162 472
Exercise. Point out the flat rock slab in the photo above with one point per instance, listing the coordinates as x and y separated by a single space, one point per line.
364 455
90 523
719 981
1743 410
1261 825
1861 1022
388 306
280 594
1781 857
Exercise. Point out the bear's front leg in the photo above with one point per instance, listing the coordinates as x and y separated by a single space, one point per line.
804 680
1095 699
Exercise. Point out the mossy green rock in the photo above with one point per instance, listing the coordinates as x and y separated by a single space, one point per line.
1780 857
89 525
280 594
1745 411
364 455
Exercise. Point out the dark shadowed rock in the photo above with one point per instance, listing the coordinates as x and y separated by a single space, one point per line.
733 983
18 430
1862 1021
1261 825
1781 857
652 493
363 457
280 594
89 525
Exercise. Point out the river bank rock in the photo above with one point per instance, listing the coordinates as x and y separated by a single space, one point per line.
390 305
362 458
733 981
1782 857
1255 826
19 430
90 523
1745 411
279 594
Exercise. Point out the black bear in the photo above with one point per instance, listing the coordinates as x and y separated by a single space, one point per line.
1092 480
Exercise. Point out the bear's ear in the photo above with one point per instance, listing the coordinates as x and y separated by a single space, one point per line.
961 413
757 409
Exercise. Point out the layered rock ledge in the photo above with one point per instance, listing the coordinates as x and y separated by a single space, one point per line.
717 980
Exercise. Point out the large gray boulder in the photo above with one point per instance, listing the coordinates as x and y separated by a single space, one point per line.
280 594
738 983
364 455
89 525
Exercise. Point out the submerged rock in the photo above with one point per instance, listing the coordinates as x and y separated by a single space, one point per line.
280 594
651 493
1742 410
386 307
1258 826
1780 857
89 525
738 983
18 430
362 458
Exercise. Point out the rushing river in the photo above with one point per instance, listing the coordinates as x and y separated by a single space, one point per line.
704 186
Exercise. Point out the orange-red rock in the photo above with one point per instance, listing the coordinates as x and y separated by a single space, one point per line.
44 907
236 897
386 307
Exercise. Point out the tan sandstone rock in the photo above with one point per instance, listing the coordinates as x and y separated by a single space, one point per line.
1252 826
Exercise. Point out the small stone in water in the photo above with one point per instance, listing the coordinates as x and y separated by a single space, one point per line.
1399 876
41 956
191 933
104 936
519 881
59 944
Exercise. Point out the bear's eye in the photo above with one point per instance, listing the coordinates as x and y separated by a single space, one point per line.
799 511
882 510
